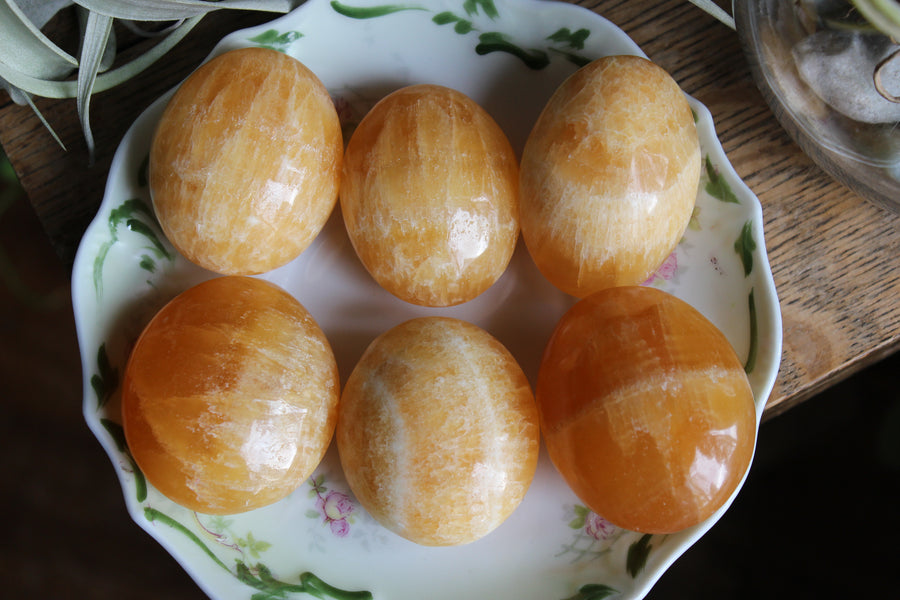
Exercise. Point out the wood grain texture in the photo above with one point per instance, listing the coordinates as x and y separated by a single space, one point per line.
835 256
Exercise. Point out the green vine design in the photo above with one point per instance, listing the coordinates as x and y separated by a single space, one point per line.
371 12
135 215
744 246
563 41
128 215
259 576
717 185
637 556
106 380
580 518
594 591
752 352
117 433
584 546
253 545
220 529
274 40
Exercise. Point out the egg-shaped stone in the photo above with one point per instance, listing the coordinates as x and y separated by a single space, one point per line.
645 409
429 196
230 395
609 176
245 162
438 431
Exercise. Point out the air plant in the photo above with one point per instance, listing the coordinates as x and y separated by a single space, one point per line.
31 64
884 15
865 16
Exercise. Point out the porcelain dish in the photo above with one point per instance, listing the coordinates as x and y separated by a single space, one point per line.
508 55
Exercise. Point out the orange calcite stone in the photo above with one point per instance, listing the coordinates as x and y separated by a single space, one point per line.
609 176
230 396
438 431
645 409
245 162
429 196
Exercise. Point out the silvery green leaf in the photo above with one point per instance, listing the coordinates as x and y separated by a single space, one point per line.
136 28
49 88
46 88
713 9
96 36
169 10
130 69
24 48
109 53
39 12
883 14
21 98
26 99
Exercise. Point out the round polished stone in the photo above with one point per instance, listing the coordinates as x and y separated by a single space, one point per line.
230 395
645 409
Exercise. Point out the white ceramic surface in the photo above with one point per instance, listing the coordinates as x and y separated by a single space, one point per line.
508 55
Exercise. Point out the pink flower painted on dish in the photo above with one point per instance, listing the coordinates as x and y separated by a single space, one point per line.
334 508
666 270
597 527
591 523
593 537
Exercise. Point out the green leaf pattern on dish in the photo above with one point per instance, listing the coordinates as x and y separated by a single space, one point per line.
750 363
370 12
563 41
128 215
595 537
275 40
106 380
118 435
717 185
134 215
259 576
744 246
638 553
594 591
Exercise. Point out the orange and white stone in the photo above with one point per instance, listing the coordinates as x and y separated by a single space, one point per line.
245 162
438 431
645 409
609 176
230 396
429 196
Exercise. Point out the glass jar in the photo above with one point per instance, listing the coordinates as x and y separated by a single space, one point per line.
833 81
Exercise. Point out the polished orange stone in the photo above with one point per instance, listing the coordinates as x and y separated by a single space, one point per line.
230 396
429 196
609 176
645 409
245 162
438 431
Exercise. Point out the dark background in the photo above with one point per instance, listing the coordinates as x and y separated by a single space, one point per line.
818 514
